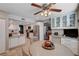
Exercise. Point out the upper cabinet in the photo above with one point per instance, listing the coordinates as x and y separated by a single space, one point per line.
53 22
72 19
58 22
64 21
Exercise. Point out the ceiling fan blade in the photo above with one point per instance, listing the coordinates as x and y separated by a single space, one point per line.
36 5
57 10
49 5
37 12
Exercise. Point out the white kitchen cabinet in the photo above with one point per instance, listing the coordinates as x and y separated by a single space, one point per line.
71 43
2 35
57 21
13 42
64 21
16 41
52 22
21 40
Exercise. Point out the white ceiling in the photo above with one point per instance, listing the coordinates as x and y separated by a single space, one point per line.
27 11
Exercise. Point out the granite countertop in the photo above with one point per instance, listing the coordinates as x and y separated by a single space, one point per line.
17 36
56 35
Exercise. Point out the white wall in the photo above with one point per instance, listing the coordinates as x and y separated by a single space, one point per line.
19 18
15 17
3 15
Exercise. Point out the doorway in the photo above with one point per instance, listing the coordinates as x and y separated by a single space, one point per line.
36 32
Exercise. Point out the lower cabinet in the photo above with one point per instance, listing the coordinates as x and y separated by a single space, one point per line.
71 43
16 41
13 42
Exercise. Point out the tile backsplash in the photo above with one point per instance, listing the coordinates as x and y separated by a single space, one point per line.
60 31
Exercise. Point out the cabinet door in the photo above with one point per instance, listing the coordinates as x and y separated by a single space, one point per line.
53 22
2 35
13 42
64 20
58 22
72 19
21 40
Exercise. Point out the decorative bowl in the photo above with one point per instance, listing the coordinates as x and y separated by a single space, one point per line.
48 45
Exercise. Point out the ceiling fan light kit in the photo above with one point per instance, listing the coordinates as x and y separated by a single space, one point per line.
49 13
45 13
41 14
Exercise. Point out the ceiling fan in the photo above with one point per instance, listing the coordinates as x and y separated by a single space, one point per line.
44 7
